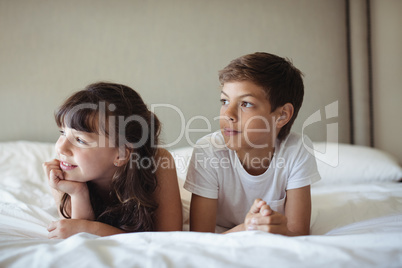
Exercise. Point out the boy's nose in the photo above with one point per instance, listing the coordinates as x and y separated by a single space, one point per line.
231 114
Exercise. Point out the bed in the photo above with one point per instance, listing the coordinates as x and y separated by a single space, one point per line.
356 220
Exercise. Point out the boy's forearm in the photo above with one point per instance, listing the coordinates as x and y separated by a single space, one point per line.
238 228
290 233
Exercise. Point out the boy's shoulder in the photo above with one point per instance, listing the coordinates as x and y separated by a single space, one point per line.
292 139
295 142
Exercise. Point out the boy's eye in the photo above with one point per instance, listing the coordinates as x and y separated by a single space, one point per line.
247 104
224 102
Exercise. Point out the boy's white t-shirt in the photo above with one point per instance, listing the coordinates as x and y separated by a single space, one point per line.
216 172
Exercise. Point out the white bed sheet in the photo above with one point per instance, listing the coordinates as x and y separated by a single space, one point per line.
353 225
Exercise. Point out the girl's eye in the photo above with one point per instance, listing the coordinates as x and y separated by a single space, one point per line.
81 141
247 104
224 102
62 133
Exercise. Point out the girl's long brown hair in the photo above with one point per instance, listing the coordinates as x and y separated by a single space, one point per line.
99 108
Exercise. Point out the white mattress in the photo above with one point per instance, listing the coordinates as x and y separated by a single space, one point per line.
356 224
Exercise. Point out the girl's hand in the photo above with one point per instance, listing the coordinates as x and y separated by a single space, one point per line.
67 227
52 165
80 204
56 179
262 217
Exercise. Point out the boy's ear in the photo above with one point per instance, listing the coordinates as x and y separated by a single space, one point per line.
284 115
123 157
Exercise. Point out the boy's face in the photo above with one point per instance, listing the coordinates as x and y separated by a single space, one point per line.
246 120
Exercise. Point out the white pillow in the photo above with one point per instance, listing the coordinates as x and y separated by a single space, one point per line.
23 160
345 163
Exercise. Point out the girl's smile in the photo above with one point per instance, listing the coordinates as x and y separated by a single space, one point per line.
66 166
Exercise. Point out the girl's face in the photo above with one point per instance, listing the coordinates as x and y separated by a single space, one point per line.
246 120
84 158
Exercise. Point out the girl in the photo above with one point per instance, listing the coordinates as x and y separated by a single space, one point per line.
110 177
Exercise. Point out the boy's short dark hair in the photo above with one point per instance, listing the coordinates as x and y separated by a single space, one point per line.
281 81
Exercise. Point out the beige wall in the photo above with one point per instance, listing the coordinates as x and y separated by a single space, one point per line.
387 75
170 52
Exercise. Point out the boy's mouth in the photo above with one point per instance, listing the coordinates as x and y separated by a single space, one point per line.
230 132
66 166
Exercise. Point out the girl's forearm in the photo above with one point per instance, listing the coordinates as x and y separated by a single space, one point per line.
67 227
81 207
101 229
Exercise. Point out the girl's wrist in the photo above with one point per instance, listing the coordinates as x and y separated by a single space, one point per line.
93 227
81 190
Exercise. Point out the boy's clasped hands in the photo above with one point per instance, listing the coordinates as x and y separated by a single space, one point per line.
262 217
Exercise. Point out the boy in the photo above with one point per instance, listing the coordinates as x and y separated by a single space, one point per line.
254 174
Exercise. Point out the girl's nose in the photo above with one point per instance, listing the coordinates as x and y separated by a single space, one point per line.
63 146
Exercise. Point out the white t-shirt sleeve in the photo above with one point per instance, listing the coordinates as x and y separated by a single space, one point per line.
303 169
202 178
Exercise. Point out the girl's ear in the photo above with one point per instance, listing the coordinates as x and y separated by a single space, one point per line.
123 157
284 115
